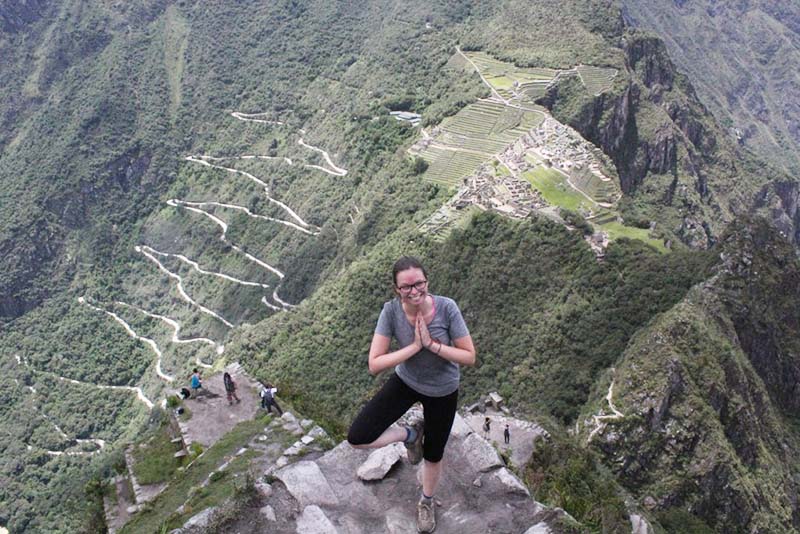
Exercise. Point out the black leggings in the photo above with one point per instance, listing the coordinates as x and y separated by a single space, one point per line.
391 402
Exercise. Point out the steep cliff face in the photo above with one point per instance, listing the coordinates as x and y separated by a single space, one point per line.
780 202
74 147
706 391
675 165
742 57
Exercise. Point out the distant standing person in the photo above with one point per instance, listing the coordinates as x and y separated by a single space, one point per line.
487 427
230 388
506 435
268 398
196 382
433 341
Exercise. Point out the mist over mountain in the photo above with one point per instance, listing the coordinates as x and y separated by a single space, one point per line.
606 190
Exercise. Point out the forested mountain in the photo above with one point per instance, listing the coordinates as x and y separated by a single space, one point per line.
186 183
742 58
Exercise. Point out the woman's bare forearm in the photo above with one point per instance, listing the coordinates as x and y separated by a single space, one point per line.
454 354
381 362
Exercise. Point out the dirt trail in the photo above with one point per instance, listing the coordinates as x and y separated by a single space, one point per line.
100 443
337 171
150 253
176 327
204 160
254 117
223 237
131 332
600 419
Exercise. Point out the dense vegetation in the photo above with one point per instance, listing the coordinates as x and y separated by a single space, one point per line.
101 102
545 315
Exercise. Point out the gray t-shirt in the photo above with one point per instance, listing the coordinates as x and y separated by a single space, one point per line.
425 372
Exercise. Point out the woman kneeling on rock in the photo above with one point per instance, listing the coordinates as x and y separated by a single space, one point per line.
434 341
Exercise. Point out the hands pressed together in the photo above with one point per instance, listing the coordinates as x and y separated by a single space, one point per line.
422 337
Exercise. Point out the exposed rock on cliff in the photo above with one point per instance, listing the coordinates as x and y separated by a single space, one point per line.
706 390
780 202
674 163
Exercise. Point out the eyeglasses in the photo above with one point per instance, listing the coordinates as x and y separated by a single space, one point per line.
419 286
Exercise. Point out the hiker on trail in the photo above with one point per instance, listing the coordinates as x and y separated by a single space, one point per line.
433 341
268 398
487 427
506 435
230 388
196 382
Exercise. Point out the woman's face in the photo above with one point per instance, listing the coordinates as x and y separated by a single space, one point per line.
411 285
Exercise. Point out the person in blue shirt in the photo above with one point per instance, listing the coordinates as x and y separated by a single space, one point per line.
196 382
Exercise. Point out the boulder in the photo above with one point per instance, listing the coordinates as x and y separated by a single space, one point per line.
263 488
460 427
481 455
380 461
306 423
317 432
511 482
289 417
200 520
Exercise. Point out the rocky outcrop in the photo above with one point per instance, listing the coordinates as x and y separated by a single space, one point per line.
780 203
664 143
326 494
705 391
765 315
740 56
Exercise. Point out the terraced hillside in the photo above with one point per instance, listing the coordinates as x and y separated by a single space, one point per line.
564 170
473 136
192 184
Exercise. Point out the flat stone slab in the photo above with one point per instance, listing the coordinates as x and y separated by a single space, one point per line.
380 461
314 521
307 484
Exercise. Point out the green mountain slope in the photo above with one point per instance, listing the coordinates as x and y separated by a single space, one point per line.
183 184
707 395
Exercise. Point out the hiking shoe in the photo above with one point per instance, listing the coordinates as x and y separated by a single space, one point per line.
426 517
414 449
